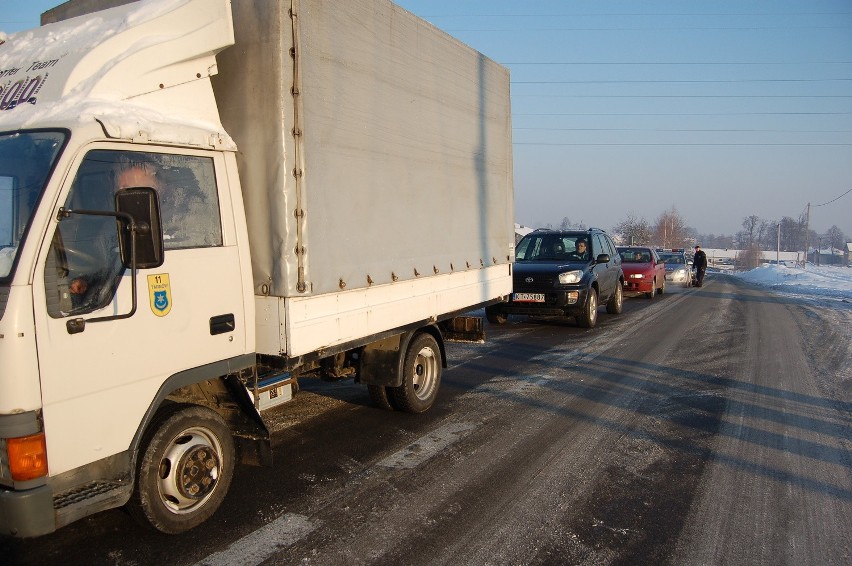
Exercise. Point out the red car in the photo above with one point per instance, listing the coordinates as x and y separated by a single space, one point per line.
644 271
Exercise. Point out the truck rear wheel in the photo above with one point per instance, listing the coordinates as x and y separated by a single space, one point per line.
382 397
421 375
184 471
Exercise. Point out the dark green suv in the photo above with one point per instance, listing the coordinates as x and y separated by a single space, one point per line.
565 273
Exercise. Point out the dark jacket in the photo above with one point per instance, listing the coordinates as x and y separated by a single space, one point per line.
700 260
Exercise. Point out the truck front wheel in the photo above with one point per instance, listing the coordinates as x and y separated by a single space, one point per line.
185 470
421 375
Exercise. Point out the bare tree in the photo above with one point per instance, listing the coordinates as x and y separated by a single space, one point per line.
721 241
749 258
791 235
567 224
835 237
671 230
767 234
633 231
751 225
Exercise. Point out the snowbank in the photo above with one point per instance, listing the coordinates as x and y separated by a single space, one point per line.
833 282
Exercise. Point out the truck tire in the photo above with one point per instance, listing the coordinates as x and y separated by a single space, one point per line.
590 314
421 375
382 397
495 316
184 470
615 304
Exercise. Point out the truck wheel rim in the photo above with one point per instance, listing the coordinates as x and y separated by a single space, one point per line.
425 373
189 470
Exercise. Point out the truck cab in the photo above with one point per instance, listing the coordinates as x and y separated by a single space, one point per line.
159 288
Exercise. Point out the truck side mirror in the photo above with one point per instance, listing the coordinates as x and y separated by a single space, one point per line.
143 205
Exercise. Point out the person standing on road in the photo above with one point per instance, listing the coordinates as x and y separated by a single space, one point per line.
699 262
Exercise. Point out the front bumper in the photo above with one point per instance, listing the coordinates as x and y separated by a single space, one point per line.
678 276
27 513
567 302
638 285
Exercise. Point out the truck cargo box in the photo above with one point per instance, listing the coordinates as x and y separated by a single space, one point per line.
374 148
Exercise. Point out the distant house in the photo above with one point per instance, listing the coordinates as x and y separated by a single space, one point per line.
828 256
848 253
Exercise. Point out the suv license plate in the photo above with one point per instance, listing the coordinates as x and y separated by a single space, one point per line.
528 297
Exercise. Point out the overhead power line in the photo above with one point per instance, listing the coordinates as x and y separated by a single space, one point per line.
680 144
687 81
686 95
681 113
516 30
677 63
838 198
725 130
643 14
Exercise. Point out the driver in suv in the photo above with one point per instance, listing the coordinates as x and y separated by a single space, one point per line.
564 273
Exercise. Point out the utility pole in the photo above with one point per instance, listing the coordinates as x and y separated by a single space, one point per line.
807 236
778 247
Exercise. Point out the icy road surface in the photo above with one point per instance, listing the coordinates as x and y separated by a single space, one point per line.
706 426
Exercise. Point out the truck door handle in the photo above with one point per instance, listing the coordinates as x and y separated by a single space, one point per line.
221 324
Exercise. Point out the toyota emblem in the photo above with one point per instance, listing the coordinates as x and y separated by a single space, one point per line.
529 279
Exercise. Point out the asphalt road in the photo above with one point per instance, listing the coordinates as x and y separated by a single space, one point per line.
707 426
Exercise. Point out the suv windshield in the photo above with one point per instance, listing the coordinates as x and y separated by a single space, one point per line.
550 247
26 159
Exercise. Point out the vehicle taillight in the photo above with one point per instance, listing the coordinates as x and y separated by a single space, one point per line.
27 457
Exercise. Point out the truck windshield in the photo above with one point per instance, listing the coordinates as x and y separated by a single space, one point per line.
26 159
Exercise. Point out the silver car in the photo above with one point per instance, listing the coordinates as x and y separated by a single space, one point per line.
678 267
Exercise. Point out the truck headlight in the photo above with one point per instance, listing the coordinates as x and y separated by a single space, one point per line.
570 277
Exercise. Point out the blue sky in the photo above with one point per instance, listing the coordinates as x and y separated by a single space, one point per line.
720 109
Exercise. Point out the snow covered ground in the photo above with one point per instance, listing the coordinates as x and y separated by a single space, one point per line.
831 284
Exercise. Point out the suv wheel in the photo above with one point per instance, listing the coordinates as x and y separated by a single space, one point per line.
616 301
495 315
590 315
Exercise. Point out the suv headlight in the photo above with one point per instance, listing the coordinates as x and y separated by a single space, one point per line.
570 277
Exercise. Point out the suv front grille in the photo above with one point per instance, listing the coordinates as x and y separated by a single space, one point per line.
540 282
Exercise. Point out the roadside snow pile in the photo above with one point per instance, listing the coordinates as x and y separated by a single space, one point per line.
834 282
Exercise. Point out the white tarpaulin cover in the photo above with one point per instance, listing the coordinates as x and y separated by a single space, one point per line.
404 151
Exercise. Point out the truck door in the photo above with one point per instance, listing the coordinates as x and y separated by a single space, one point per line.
98 383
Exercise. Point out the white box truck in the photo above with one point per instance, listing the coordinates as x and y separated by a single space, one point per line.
202 201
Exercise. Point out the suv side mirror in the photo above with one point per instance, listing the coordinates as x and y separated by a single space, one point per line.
142 204
603 258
